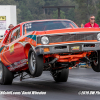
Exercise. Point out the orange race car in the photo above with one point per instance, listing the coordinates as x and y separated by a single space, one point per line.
47 45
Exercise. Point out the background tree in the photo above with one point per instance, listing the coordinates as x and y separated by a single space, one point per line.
32 9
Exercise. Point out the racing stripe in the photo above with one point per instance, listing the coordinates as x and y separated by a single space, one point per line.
32 37
1 48
7 59
4 60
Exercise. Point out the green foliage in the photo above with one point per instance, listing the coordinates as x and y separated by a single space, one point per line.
55 14
98 17
32 9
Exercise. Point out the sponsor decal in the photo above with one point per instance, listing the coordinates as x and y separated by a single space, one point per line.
18 64
11 69
2 17
75 48
2 22
28 25
27 38
11 48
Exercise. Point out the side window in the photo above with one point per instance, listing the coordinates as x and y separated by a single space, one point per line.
15 34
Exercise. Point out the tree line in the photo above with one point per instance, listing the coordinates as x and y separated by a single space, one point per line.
32 9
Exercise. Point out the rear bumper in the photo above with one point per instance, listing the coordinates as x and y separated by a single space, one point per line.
68 47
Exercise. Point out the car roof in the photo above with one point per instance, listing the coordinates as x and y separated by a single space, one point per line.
45 20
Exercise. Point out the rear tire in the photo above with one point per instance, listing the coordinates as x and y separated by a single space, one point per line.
96 63
61 76
6 77
35 63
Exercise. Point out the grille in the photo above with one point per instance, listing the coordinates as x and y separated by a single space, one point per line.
70 37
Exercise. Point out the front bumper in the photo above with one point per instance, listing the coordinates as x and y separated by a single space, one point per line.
68 47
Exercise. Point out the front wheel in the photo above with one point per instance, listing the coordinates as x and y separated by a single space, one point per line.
6 77
96 62
35 63
61 76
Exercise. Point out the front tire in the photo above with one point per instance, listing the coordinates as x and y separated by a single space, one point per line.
6 77
35 63
61 76
96 63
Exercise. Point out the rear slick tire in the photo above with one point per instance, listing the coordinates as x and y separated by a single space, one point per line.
96 63
62 76
6 77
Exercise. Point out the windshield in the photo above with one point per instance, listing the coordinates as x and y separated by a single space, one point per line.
47 25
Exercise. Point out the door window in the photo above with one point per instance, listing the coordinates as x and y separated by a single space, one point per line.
15 34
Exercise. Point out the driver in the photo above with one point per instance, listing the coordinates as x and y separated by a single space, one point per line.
10 27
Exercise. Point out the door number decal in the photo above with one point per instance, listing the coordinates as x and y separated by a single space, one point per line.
11 49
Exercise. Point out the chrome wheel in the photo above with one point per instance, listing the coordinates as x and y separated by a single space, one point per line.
33 61
1 71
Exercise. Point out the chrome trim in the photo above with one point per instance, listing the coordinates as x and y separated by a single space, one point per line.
68 43
53 34
39 49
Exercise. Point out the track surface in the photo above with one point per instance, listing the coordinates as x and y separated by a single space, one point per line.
80 79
